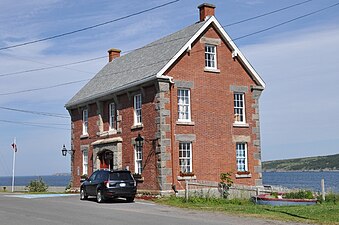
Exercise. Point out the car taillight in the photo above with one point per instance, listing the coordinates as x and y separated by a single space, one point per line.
106 183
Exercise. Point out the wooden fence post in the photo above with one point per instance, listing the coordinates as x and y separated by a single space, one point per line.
186 190
323 189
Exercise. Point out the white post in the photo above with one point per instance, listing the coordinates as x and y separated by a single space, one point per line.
323 189
186 190
13 172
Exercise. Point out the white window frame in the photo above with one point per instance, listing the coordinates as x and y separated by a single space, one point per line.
241 157
185 157
210 56
239 108
85 122
85 161
138 159
112 116
184 107
137 109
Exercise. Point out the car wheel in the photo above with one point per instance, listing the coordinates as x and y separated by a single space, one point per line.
100 197
130 199
83 195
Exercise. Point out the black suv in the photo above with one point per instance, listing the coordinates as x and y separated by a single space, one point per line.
106 184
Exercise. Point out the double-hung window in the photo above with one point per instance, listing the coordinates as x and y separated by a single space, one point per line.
112 116
85 161
241 155
184 108
85 122
211 56
137 109
239 108
138 159
185 157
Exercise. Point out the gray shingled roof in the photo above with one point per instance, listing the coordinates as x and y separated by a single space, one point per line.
134 67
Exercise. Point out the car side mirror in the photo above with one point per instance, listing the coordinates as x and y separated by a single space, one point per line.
83 178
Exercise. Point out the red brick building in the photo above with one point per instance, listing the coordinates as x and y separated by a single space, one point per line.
192 96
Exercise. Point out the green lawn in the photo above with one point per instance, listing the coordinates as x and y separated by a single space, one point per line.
325 213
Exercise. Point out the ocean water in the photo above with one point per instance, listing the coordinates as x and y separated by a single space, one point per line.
25 180
303 180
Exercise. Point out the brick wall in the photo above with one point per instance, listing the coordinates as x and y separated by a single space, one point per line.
214 148
124 105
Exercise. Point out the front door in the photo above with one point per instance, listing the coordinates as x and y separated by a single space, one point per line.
106 160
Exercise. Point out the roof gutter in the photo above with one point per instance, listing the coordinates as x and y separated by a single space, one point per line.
121 88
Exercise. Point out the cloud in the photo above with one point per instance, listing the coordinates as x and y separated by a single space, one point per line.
251 2
298 106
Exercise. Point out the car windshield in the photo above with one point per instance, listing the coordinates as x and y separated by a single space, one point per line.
120 176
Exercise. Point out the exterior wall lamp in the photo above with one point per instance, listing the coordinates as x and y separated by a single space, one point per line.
64 151
139 141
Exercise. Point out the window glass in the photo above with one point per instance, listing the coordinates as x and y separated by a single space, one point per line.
93 176
137 109
85 121
112 116
138 159
210 56
120 176
241 156
185 159
239 108
85 162
184 108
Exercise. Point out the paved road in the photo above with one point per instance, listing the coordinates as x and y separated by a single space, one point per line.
70 210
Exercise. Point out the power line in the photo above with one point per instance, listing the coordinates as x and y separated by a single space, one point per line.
289 21
43 88
77 81
89 27
36 112
266 14
52 67
42 125
269 28
83 61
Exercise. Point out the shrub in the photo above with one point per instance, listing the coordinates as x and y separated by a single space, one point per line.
329 198
225 184
302 194
37 186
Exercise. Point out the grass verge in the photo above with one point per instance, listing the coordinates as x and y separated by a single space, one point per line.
325 213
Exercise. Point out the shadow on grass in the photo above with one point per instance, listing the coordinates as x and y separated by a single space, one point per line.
289 214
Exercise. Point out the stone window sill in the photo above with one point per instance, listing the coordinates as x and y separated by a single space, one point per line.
107 133
211 70
83 136
241 125
137 126
180 178
243 175
185 123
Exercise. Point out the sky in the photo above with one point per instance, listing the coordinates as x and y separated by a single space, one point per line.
298 61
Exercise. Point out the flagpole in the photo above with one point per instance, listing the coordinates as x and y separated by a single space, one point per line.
14 151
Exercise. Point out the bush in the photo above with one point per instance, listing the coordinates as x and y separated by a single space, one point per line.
37 186
329 198
302 194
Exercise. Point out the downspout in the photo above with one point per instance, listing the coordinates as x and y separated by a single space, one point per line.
172 132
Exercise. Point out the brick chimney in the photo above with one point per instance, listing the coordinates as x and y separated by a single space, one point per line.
113 53
206 10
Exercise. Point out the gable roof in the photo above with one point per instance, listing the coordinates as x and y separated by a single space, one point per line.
150 62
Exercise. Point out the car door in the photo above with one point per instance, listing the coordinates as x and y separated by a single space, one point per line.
92 183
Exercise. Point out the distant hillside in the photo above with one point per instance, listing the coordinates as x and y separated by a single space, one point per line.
319 163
